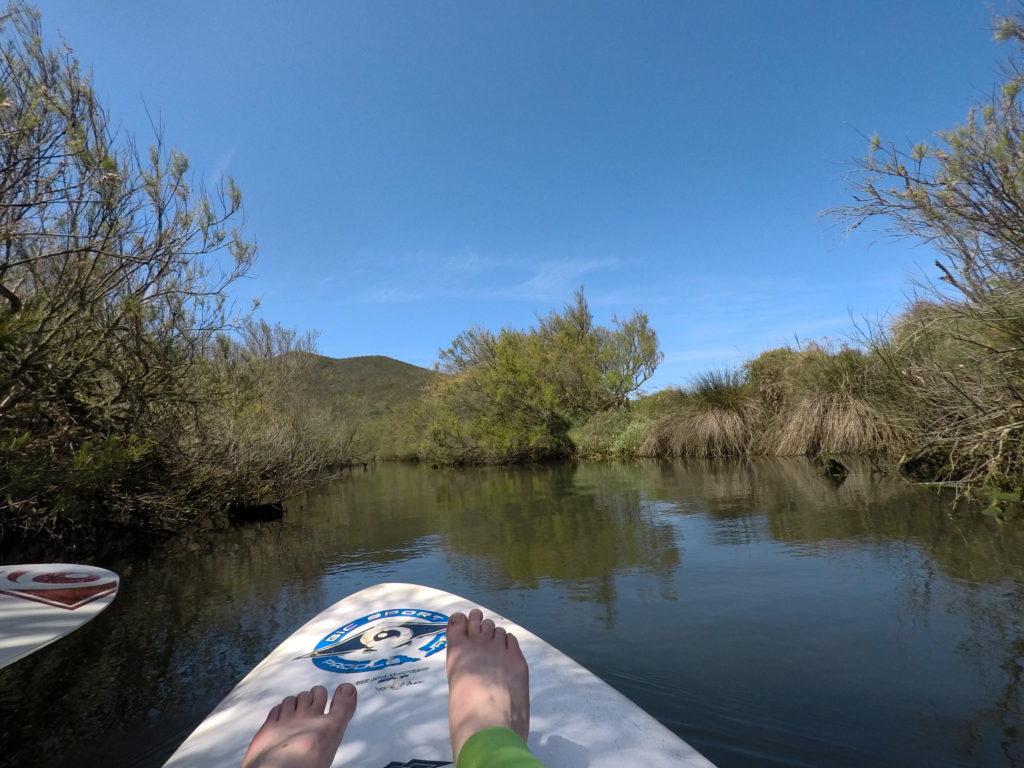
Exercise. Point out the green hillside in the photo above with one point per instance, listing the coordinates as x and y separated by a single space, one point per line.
360 387
361 407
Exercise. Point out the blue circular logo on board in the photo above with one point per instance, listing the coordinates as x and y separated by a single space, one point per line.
381 640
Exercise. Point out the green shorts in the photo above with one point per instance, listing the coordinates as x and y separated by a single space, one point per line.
496 748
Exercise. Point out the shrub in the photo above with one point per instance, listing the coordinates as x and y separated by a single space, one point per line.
610 434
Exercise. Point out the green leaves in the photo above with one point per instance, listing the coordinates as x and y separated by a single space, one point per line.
514 395
113 290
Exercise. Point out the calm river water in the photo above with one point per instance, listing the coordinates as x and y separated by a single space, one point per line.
764 615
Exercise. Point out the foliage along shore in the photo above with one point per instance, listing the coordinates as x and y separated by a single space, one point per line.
133 400
936 396
937 393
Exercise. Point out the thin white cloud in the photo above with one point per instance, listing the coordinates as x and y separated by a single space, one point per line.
220 168
555 279
390 295
424 276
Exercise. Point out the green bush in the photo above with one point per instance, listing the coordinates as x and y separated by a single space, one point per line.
611 434
515 395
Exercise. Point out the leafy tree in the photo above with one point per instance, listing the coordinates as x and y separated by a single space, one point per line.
514 395
118 402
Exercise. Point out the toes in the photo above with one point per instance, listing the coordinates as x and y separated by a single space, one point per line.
515 654
274 714
319 694
343 703
457 627
475 620
512 643
344 693
287 708
476 626
304 701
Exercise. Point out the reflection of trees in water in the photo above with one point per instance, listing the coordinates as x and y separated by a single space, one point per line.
376 515
186 626
189 623
997 637
183 629
975 559
790 501
580 526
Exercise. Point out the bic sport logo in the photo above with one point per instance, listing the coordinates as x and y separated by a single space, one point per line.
381 640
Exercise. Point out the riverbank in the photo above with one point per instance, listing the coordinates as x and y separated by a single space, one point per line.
947 418
135 405
135 402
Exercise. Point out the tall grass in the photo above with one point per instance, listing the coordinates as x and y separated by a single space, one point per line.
809 401
831 423
690 431
716 416
957 369
823 400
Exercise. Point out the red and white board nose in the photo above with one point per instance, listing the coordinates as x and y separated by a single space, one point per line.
57 584
40 602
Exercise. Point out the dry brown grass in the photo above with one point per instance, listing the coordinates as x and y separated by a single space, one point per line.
831 423
703 432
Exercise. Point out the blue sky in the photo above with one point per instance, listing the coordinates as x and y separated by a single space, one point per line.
414 168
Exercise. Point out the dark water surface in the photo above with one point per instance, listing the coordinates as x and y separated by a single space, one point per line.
765 616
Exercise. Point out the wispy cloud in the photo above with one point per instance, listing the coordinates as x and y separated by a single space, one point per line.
554 279
425 276
393 295
220 169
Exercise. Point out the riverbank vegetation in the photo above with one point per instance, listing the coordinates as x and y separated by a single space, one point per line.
938 392
515 395
135 398
132 397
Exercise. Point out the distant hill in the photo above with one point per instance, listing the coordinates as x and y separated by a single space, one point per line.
368 386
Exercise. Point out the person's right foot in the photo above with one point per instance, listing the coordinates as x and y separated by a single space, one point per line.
488 679
298 734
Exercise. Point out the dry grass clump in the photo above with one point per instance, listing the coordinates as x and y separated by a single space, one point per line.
715 417
831 423
786 402
954 372
822 400
713 433
959 370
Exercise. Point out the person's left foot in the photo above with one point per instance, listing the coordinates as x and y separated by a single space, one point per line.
299 734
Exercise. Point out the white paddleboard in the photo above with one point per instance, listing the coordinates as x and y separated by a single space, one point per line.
40 603
389 642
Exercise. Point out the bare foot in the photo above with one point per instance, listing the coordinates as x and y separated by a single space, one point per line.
488 679
297 733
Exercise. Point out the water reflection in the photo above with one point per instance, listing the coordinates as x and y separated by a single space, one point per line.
522 529
768 616
788 500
